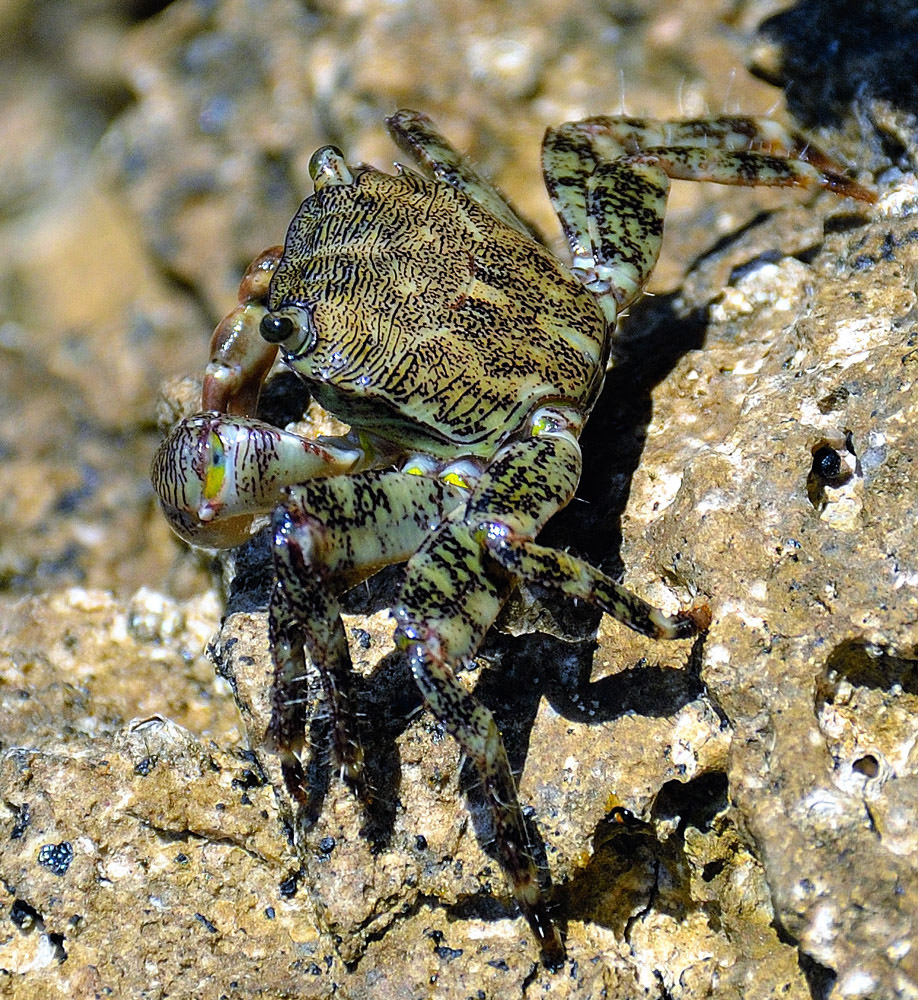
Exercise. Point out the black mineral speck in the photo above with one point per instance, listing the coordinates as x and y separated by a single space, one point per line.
205 923
145 766
22 821
363 638
248 780
56 857
826 463
288 887
447 954
23 915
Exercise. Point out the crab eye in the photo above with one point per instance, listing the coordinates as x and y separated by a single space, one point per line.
276 328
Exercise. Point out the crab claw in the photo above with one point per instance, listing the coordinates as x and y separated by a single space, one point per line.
196 474
239 356
215 473
239 361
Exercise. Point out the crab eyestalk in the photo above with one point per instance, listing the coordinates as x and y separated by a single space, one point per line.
327 167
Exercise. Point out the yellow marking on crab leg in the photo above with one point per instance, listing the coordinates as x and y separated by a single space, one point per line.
216 471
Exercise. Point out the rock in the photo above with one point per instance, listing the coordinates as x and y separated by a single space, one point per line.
813 612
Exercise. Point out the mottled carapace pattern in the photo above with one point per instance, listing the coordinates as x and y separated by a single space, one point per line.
443 356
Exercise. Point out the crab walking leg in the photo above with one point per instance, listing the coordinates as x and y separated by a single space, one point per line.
608 180
415 133
611 137
806 164
450 598
576 578
446 607
328 536
448 601
514 499
513 502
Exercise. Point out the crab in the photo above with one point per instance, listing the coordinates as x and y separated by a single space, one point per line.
421 310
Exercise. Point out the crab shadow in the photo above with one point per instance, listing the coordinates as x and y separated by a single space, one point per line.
515 672
831 58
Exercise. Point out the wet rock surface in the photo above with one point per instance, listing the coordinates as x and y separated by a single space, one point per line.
729 818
